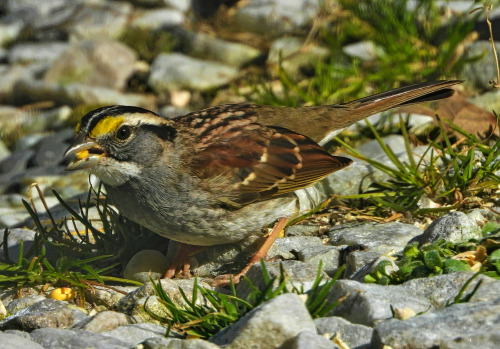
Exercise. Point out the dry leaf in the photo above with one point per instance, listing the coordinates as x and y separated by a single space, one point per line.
462 113
474 258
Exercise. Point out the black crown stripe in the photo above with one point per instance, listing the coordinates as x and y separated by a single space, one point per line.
90 120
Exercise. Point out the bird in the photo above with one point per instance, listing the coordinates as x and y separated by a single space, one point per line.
221 174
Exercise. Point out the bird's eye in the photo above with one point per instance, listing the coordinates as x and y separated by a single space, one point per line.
123 133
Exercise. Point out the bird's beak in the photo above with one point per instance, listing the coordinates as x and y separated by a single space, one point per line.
85 154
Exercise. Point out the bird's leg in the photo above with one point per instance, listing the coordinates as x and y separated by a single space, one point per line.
178 258
223 280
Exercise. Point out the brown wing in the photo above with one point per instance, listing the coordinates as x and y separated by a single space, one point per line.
259 161
315 164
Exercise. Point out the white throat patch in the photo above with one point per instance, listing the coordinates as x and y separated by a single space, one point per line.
114 173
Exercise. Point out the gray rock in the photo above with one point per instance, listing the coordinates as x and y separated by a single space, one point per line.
45 19
181 5
454 6
489 100
282 48
483 339
107 297
364 50
307 340
286 315
57 210
148 3
47 313
134 302
293 55
45 52
4 151
18 304
368 304
3 55
205 9
98 20
16 163
357 176
275 17
76 94
157 19
11 200
28 141
420 125
68 186
305 229
32 8
224 259
106 63
453 227
374 119
49 178
375 237
370 267
288 247
15 121
477 216
134 334
171 111
75 339
298 274
373 150
175 343
53 119
12 217
19 333
145 264
142 309
12 119
8 294
358 263
175 71
51 149
104 321
14 238
328 256
12 341
355 336
208 47
444 328
480 72
441 289
23 180
10 76
10 29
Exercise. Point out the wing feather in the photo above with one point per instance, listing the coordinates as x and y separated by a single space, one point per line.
253 161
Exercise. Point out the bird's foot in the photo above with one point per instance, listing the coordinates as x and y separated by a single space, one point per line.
226 279
178 256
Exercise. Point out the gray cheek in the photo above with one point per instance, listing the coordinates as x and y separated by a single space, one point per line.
144 150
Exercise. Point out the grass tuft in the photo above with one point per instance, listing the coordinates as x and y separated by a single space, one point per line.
203 321
453 175
61 255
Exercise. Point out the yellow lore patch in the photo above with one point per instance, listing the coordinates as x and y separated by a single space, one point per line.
107 125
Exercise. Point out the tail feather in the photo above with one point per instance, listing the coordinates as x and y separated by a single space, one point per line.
417 93
322 123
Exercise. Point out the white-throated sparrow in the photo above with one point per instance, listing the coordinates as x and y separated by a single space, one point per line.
217 175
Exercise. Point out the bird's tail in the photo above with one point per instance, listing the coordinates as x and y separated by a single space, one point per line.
417 93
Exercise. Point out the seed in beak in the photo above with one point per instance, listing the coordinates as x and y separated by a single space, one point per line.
86 155
82 154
